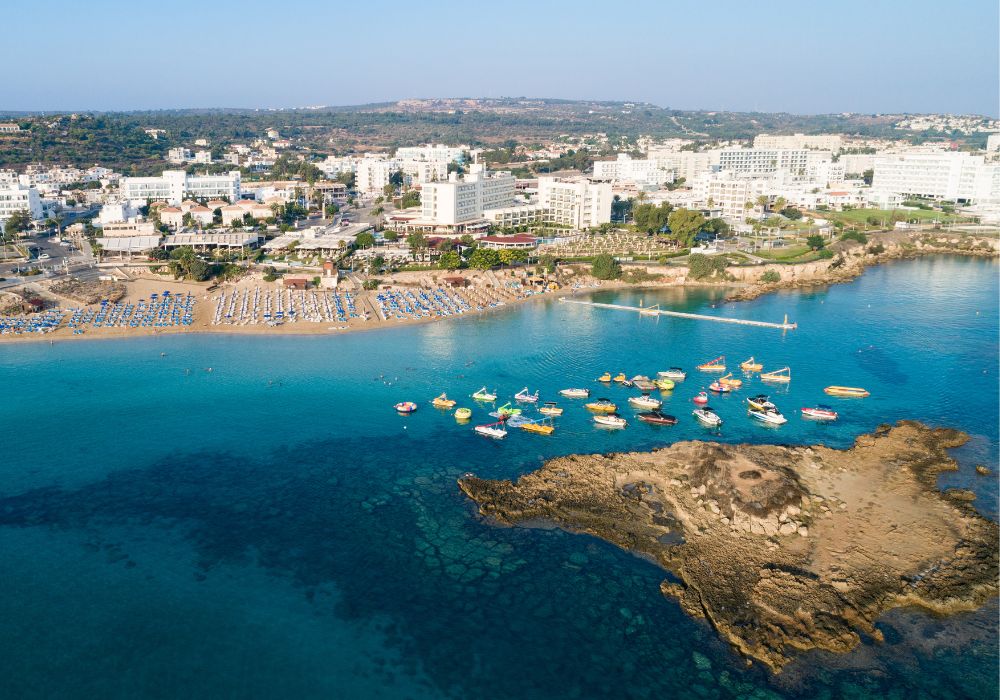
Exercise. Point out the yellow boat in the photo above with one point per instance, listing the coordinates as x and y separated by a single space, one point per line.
848 391
620 377
601 406
606 377
664 384
783 375
751 365
716 365
550 409
538 427
729 381
463 414
443 401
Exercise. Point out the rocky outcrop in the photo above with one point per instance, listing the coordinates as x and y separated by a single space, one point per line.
779 548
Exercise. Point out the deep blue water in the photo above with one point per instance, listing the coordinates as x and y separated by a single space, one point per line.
273 529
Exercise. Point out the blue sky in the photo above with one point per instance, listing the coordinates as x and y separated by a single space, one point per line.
796 56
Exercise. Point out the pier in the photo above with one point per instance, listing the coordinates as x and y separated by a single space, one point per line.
655 311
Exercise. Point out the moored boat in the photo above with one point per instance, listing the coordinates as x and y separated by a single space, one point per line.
443 401
701 399
496 430
719 388
779 376
575 393
405 407
847 391
656 418
601 406
463 414
507 410
550 409
645 401
541 426
819 413
610 420
664 384
751 365
606 378
771 415
761 402
707 416
716 365
675 373
485 394
620 377
643 383
526 397
730 381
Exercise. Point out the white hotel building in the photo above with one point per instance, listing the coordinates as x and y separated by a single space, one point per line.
955 176
432 152
627 169
17 197
757 162
460 200
174 186
577 202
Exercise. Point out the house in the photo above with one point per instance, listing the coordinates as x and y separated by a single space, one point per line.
172 217
519 241
296 283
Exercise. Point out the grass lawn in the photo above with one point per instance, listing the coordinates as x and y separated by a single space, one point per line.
788 253
859 217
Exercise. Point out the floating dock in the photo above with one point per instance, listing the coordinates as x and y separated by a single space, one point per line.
654 311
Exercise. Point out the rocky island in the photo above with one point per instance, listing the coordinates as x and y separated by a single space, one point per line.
780 548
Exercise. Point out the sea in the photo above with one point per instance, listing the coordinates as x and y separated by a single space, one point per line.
226 516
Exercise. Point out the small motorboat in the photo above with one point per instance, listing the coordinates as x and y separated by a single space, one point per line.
575 393
443 401
610 420
847 391
645 401
550 409
620 377
820 413
405 407
675 373
771 415
497 430
781 376
707 416
760 402
751 365
601 406
485 395
540 427
506 410
462 414
664 384
729 381
606 378
719 388
716 365
701 399
526 397
656 418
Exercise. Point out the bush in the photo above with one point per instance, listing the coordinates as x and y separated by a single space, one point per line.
370 284
876 249
770 277
815 241
858 236
605 267
704 266
825 254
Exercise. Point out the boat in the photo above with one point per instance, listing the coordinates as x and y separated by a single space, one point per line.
716 365
729 381
405 407
643 384
847 391
675 373
664 384
783 375
506 410
496 430
751 365
760 402
523 395
819 413
707 416
485 395
656 418
610 420
701 399
540 427
550 409
575 393
645 401
719 388
606 378
443 401
771 415
620 377
601 406
463 414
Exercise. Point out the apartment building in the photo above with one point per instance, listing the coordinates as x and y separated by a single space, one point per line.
728 192
18 197
462 199
421 171
798 142
371 173
432 152
173 186
955 176
179 156
577 202
684 164
627 169
759 162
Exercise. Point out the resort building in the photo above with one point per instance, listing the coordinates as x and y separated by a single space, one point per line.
955 176
463 199
520 241
626 169
576 202
758 162
684 164
432 152
132 227
18 197
372 173
173 186
798 142
236 212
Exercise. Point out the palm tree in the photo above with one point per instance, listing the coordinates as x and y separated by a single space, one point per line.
779 204
762 203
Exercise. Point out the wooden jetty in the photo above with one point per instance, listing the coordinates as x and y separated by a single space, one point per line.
654 311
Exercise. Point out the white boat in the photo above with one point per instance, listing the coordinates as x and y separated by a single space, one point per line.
771 416
610 420
707 416
645 401
675 373
485 395
523 395
819 413
575 393
493 430
761 402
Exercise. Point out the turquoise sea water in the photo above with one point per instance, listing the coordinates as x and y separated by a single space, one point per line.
273 529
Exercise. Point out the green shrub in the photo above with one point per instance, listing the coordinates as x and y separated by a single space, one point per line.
825 254
605 267
858 236
770 277
704 266
876 249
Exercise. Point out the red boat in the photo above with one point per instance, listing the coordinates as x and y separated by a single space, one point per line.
656 418
701 399
719 388
819 413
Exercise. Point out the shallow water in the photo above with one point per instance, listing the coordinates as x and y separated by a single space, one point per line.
273 528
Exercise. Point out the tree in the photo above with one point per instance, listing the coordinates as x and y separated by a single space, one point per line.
605 267
484 259
17 222
508 256
815 241
388 189
868 176
450 260
396 178
717 226
685 225
467 240
651 218
779 204
770 277
416 240
762 202
376 264
331 210
364 240
410 199
548 263
391 236
791 213
346 179
704 266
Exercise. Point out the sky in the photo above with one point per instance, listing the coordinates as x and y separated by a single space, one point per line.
800 56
